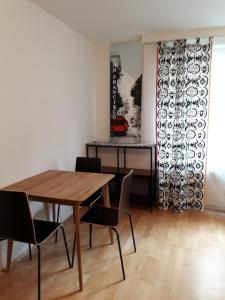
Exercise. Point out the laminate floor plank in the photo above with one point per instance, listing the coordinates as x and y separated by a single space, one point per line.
179 257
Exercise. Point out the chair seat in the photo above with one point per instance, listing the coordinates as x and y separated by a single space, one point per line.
89 201
43 229
101 215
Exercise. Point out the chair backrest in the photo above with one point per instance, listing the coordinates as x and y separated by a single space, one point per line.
16 222
125 194
88 164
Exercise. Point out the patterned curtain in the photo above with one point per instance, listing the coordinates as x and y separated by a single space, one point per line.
183 83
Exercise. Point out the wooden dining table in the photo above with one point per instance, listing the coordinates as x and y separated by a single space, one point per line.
65 188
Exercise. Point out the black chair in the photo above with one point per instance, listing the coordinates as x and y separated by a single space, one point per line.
111 217
17 224
91 165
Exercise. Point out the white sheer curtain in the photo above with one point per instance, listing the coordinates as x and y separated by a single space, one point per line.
215 187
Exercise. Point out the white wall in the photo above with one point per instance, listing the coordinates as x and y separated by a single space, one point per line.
102 92
46 95
148 130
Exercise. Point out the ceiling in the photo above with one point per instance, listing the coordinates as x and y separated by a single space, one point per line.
123 20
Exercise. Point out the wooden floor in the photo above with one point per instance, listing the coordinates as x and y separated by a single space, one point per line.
179 256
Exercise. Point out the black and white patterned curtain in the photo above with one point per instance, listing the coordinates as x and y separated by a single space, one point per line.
183 80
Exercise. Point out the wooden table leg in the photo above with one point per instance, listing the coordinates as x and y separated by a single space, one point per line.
77 228
106 200
9 254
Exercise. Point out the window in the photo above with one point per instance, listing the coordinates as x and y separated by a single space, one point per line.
216 137
216 129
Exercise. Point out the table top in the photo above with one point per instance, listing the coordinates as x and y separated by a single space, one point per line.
64 187
121 145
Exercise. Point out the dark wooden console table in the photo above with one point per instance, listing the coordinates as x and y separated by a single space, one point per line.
149 172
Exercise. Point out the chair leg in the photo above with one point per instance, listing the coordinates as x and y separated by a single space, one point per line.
121 257
39 272
90 235
30 253
73 252
65 242
132 231
57 220
74 241
58 212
